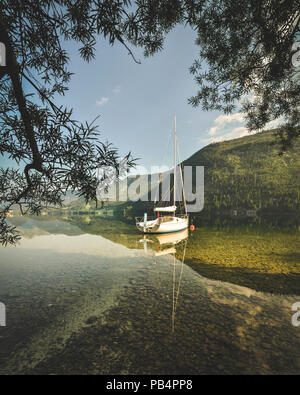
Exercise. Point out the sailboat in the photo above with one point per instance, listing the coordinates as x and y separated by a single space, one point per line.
167 220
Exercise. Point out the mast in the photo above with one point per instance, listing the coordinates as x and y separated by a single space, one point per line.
182 183
175 150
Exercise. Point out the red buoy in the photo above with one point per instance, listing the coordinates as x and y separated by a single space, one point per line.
192 227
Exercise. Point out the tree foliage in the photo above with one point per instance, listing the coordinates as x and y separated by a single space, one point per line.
54 152
245 48
246 52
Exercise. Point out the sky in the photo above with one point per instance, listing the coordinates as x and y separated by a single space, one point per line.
137 102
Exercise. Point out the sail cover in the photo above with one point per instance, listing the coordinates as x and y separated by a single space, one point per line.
170 209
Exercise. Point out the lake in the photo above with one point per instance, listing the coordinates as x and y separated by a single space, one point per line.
88 296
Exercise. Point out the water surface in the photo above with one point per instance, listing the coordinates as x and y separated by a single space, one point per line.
96 297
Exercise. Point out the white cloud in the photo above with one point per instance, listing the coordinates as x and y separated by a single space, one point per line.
232 126
226 127
102 101
214 140
213 131
229 118
235 133
223 120
274 124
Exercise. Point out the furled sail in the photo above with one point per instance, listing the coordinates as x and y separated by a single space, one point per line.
170 209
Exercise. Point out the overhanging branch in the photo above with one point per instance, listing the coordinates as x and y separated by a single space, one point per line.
13 72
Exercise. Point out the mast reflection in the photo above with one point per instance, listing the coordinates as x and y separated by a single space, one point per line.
173 244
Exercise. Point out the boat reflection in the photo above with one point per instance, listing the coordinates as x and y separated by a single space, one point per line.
163 244
173 244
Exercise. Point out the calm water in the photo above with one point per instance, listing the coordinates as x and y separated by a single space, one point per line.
95 297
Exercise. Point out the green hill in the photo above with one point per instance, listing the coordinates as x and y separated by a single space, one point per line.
241 175
249 173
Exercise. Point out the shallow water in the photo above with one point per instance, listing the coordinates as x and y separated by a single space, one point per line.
117 302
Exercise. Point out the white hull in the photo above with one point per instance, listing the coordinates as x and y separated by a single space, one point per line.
174 224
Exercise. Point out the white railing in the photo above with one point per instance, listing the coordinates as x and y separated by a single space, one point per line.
162 218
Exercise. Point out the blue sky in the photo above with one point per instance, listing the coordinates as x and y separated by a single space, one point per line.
137 103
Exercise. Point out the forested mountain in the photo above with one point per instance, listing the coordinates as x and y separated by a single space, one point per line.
248 172
243 174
